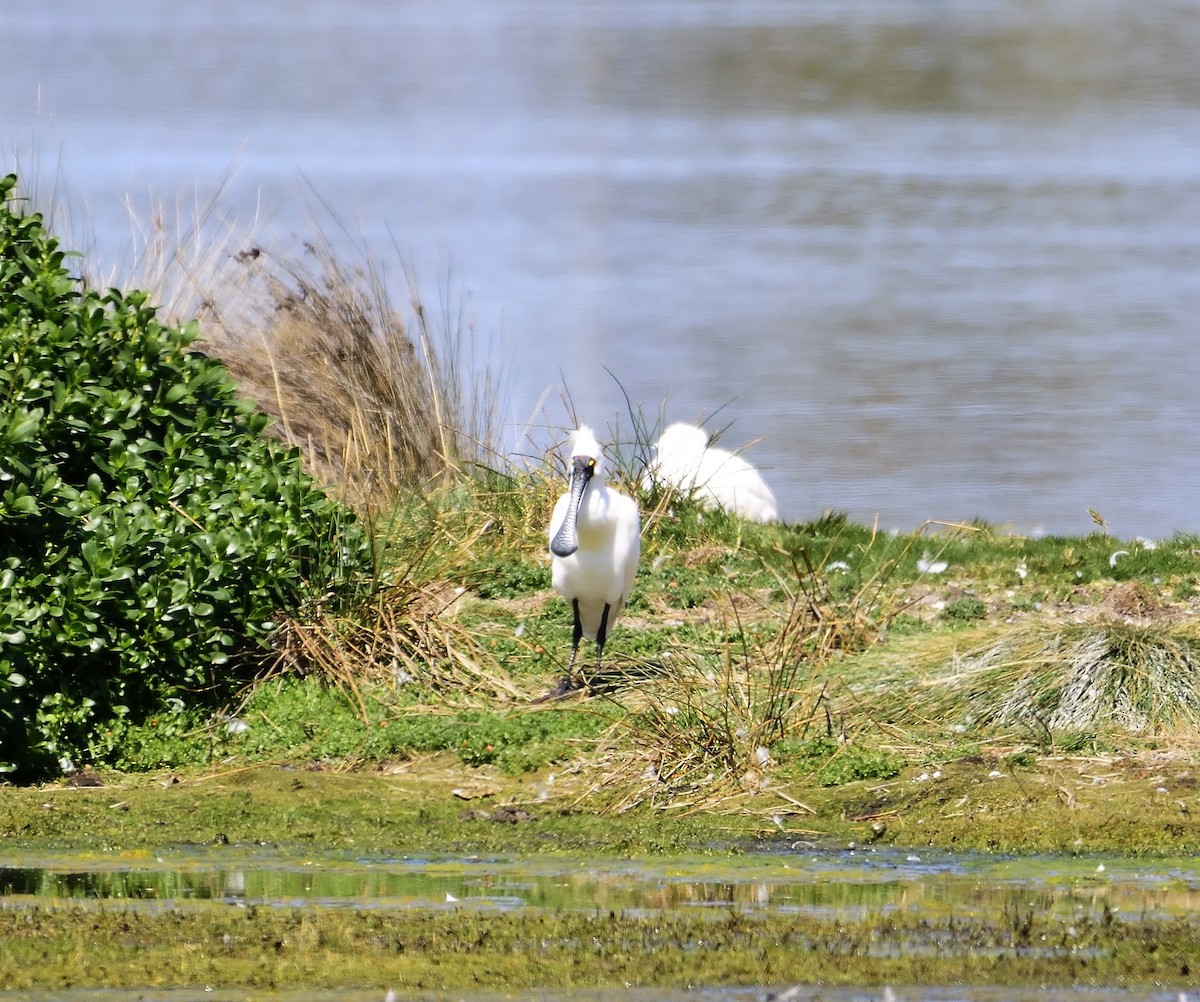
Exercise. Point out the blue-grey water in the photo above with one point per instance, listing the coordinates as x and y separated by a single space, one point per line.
942 258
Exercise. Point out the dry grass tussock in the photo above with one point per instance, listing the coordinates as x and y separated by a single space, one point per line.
407 632
403 628
1105 672
378 399
699 733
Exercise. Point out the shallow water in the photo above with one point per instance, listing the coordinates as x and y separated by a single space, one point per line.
944 257
792 878
848 882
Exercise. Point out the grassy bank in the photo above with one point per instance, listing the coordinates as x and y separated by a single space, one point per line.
951 684
806 680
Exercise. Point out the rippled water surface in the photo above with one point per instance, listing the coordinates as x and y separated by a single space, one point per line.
944 257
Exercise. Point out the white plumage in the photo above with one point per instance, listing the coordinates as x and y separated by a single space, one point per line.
685 461
595 541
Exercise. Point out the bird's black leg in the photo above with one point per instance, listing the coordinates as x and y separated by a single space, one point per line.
601 636
576 636
570 683
597 681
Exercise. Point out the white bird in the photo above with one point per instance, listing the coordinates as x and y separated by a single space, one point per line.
685 461
595 542
927 565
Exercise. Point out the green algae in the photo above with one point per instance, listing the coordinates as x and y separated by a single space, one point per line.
270 919
366 812
78 946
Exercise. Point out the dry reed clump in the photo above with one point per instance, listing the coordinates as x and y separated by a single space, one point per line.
405 633
704 724
695 732
403 627
1054 678
374 405
377 403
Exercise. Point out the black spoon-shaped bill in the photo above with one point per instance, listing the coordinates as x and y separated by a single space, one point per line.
566 540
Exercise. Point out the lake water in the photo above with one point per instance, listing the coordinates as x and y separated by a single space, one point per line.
942 258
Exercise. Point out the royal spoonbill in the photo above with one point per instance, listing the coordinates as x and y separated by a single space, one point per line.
685 461
595 541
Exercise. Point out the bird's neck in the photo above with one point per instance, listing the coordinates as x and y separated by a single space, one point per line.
595 505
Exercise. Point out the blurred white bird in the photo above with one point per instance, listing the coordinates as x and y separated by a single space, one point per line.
595 542
685 461
927 565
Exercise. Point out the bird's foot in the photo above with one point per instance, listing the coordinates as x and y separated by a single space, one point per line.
569 684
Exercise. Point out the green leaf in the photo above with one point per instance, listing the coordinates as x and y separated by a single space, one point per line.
23 504
22 426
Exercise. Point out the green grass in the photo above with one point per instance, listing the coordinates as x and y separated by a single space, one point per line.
739 640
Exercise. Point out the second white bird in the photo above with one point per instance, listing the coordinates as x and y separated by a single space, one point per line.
685 461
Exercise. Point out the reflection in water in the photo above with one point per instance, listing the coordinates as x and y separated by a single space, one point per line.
846 884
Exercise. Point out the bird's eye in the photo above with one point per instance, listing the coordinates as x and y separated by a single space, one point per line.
591 464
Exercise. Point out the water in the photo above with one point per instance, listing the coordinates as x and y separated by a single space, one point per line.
792 879
846 883
943 258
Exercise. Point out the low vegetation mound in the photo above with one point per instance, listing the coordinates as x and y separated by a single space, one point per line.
149 533
1052 679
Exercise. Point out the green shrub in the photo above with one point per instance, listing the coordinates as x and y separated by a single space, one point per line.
966 609
148 531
